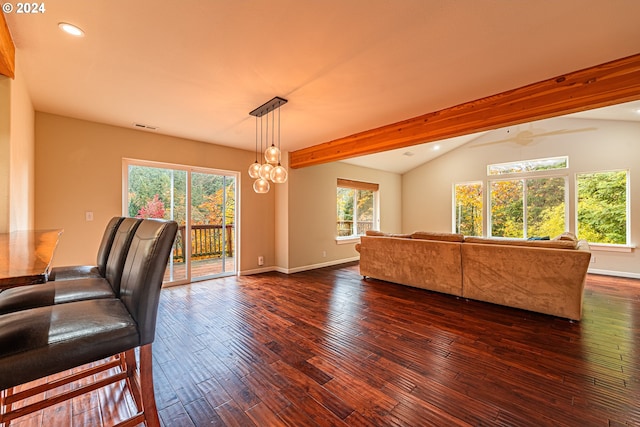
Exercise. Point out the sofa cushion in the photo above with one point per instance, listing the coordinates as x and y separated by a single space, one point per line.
567 235
376 233
551 244
445 237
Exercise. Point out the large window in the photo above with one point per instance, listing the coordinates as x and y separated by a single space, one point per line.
546 206
507 199
529 198
530 201
524 166
603 207
534 203
528 207
468 209
357 208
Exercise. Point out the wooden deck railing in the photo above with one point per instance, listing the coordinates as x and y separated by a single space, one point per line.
207 241
345 227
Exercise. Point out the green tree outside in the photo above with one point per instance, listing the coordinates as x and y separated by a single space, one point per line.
602 207
354 208
469 209
601 210
545 206
507 208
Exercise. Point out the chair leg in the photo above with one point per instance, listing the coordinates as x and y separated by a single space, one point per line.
139 379
146 380
129 365
5 407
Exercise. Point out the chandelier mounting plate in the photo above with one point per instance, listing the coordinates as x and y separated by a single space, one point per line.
268 106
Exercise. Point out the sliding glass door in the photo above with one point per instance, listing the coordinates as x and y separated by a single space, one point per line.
212 224
205 246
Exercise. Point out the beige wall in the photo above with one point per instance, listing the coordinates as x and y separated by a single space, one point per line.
282 220
22 126
5 153
312 212
428 190
16 154
79 168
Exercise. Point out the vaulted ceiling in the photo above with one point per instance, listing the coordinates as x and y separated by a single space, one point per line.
195 69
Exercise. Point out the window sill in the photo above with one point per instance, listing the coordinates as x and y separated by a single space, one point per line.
603 247
347 240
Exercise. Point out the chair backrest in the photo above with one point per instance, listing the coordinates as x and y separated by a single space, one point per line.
119 249
143 273
106 243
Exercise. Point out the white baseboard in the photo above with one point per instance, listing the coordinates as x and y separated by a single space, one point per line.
342 261
614 273
257 271
314 266
298 269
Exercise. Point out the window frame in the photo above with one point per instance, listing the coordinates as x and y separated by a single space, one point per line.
455 207
615 247
524 177
358 185
524 172
571 199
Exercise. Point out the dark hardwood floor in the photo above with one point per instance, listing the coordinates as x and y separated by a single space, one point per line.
325 348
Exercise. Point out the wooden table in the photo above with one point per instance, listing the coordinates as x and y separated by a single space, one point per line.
25 256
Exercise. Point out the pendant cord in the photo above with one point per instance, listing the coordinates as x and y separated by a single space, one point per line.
266 142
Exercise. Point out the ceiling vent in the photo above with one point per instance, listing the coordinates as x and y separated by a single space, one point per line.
143 126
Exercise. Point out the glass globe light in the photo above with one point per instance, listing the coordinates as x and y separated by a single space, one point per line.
254 170
279 174
272 154
261 186
265 171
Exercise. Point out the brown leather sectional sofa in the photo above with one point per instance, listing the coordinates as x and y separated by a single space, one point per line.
545 276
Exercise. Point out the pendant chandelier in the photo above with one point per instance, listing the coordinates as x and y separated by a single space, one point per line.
269 167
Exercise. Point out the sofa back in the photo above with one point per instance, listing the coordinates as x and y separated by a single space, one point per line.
546 276
429 264
543 276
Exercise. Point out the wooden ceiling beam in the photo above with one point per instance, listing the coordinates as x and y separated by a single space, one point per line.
599 86
7 50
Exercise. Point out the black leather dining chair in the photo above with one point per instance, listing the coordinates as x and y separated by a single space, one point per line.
69 290
90 337
87 271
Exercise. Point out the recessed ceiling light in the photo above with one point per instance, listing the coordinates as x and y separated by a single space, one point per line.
638 111
436 147
71 29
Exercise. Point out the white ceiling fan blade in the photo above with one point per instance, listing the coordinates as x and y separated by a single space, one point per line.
563 131
499 141
525 137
